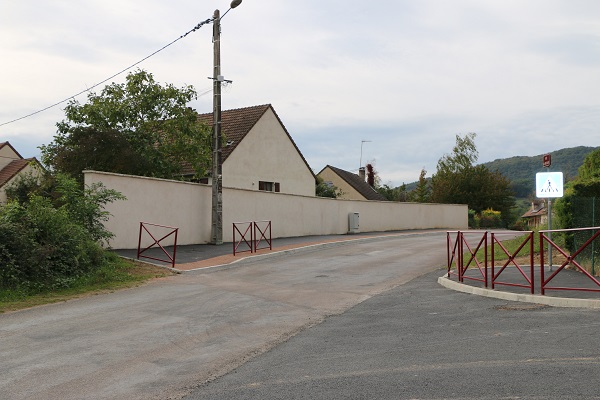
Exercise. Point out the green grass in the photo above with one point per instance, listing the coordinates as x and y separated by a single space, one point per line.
117 274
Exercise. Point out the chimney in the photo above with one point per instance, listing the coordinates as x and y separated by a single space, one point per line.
361 173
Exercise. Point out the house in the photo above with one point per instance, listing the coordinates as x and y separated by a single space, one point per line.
351 186
12 165
260 154
538 214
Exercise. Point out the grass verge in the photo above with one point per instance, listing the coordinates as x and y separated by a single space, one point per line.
117 274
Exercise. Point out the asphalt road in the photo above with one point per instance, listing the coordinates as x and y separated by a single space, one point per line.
422 341
164 339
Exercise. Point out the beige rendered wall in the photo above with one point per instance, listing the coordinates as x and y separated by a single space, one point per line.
7 155
267 154
188 207
347 191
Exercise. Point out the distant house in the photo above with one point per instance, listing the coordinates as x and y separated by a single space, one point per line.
12 165
260 154
351 186
536 216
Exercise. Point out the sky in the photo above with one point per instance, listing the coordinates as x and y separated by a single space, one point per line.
390 82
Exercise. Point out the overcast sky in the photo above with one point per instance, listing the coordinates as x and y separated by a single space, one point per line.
407 75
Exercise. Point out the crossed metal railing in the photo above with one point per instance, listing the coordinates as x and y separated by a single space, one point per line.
250 235
467 252
170 258
570 260
479 260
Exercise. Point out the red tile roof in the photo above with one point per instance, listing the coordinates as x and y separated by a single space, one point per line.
236 123
12 169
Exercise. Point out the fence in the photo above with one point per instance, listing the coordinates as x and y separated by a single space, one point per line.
474 244
144 228
249 236
574 259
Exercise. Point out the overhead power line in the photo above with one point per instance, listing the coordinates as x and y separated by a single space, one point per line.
112 76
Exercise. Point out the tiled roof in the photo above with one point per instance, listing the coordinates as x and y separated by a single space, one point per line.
536 210
358 184
236 123
12 169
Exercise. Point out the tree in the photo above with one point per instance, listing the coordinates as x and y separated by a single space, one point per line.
326 189
458 181
393 194
139 127
422 192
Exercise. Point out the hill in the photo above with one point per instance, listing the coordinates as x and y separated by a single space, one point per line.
521 170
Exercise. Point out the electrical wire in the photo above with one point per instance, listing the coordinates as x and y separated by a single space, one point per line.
112 76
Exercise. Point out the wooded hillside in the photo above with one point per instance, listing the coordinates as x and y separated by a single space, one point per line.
521 170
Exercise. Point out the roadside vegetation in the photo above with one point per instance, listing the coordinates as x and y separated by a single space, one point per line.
52 243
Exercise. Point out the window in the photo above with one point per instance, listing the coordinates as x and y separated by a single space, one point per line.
269 186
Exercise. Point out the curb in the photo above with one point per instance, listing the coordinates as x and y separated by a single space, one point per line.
525 298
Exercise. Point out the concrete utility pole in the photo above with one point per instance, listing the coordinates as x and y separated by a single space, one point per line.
217 167
217 160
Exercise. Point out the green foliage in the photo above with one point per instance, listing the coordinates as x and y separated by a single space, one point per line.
422 192
54 235
41 247
139 127
521 170
458 181
490 219
393 194
326 189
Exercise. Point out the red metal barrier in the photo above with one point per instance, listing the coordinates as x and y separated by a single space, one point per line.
262 230
511 260
570 260
453 251
482 267
171 259
243 237
253 234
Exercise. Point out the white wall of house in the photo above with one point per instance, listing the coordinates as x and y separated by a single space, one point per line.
7 154
267 154
187 206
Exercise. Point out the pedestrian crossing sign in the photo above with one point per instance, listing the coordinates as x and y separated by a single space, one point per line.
549 184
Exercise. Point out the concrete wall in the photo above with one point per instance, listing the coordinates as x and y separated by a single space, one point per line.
267 154
188 207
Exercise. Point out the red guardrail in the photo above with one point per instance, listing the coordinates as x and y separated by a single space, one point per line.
512 260
262 230
251 235
464 244
482 267
243 237
170 258
570 259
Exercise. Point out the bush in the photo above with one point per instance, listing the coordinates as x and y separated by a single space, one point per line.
42 248
54 235
490 219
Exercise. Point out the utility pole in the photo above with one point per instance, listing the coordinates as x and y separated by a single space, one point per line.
217 167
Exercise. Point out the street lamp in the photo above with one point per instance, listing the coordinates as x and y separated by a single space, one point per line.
217 161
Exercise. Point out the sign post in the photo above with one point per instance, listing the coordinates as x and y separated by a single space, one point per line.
549 185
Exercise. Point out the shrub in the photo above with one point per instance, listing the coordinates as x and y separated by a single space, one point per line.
54 235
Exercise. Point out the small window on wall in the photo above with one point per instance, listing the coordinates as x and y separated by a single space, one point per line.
269 186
